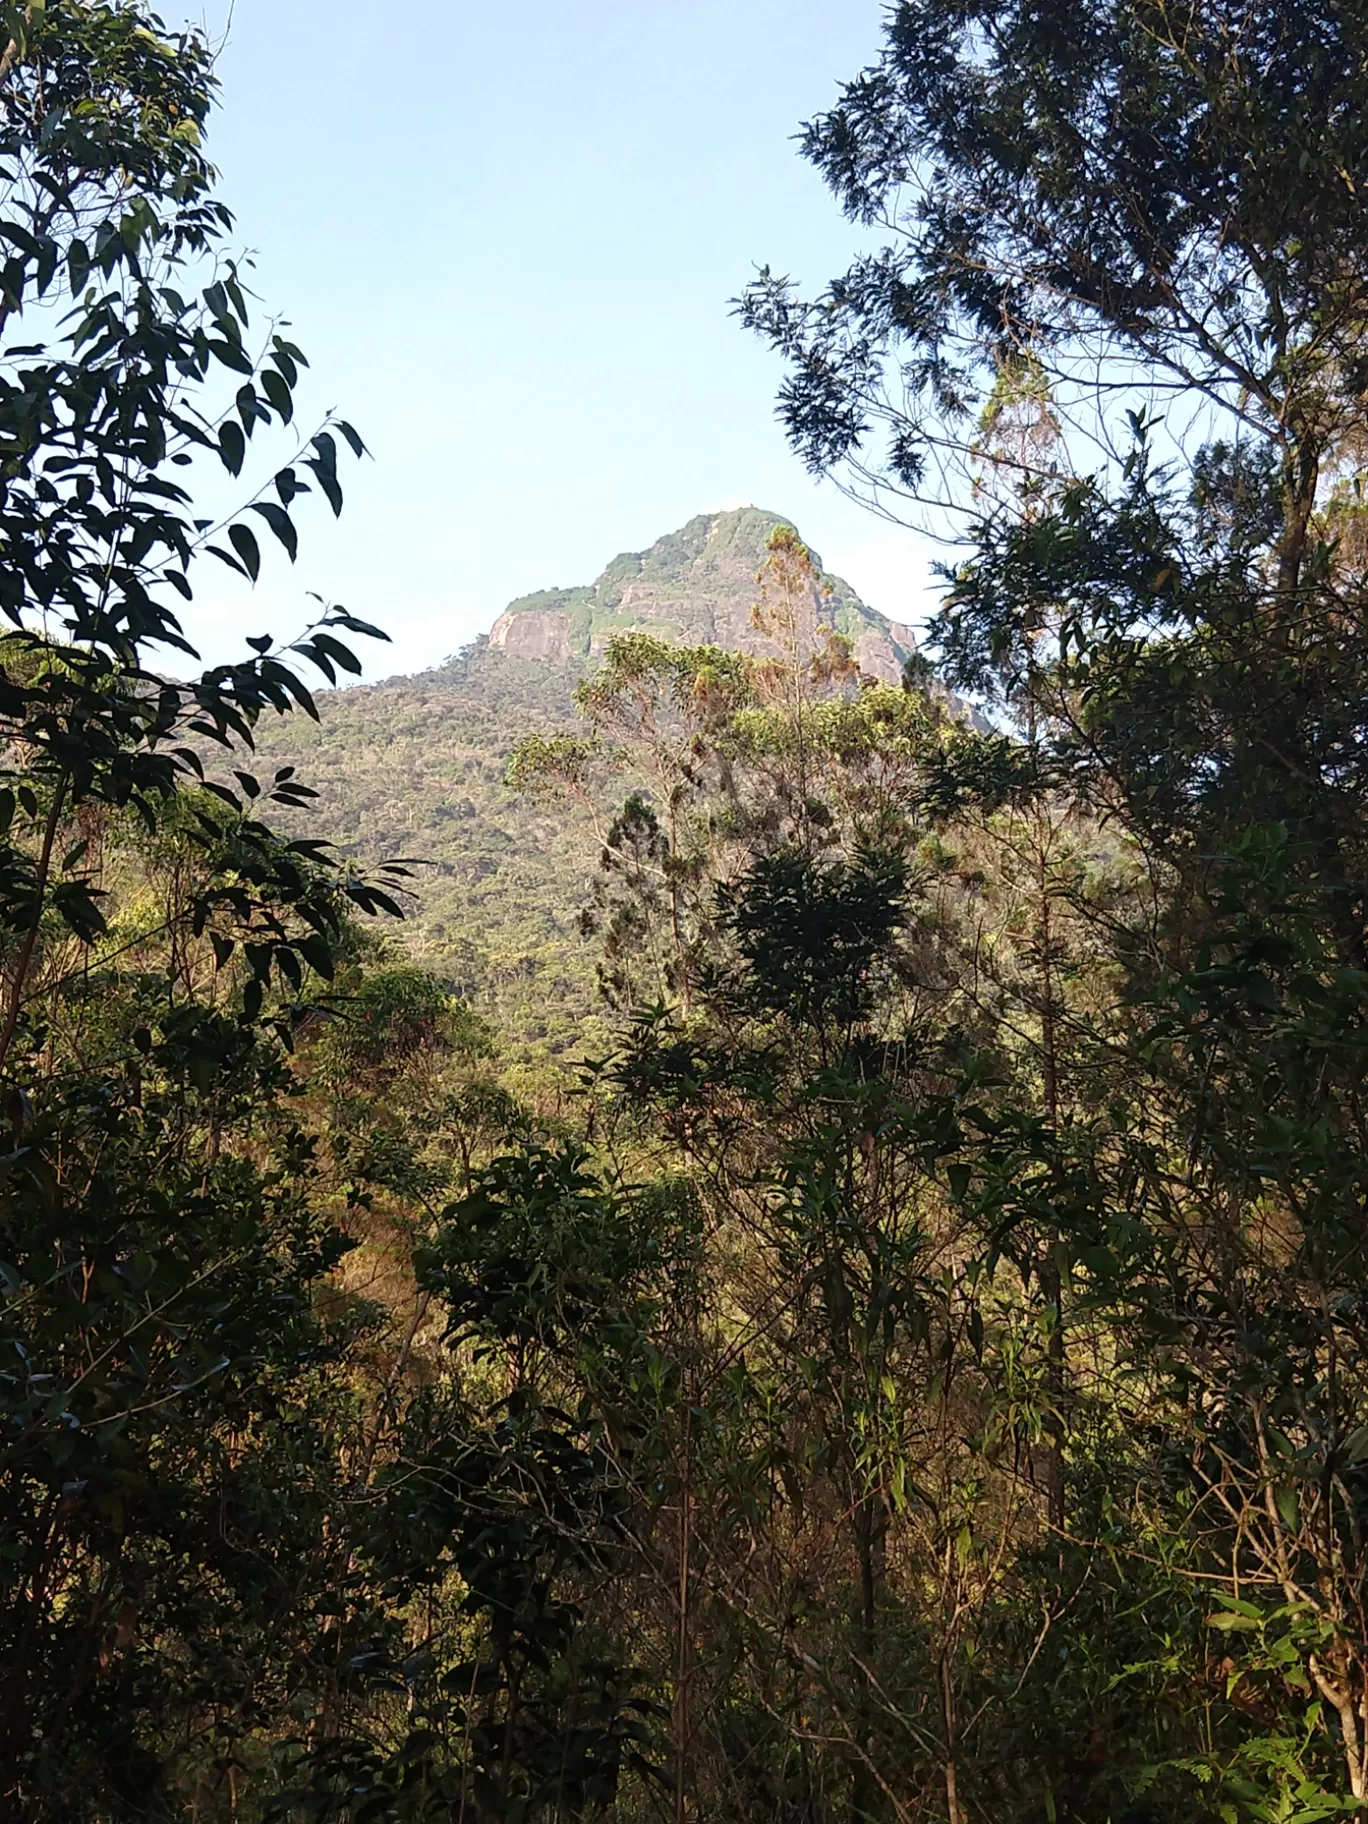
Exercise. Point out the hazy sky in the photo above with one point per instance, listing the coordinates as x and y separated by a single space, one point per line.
506 236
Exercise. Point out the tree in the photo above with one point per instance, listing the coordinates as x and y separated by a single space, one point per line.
173 1425
1135 198
1152 211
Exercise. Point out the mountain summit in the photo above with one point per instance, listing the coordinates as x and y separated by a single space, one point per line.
697 587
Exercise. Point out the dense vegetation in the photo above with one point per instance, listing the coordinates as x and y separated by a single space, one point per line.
418 766
917 1364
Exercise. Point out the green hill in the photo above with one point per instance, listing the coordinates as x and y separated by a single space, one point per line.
415 766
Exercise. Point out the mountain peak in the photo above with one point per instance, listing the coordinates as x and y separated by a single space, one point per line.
695 586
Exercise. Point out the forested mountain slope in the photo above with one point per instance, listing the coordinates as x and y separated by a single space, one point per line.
415 766
920 1376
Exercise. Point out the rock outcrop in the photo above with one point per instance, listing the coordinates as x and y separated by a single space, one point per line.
532 633
696 586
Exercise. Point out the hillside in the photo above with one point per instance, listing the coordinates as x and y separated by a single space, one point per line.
414 766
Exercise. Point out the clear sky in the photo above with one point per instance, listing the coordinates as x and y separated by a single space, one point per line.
507 237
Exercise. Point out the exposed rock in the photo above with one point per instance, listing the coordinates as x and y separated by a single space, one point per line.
532 633
698 586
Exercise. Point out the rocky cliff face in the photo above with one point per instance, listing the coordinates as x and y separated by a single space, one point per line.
532 633
696 586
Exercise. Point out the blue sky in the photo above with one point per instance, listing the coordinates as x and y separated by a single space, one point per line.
506 237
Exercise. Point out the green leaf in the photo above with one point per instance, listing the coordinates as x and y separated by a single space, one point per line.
230 355
282 675
327 481
235 292
232 446
339 618
1288 1506
358 448
1238 1606
278 392
280 523
245 544
21 238
310 650
317 953
336 650
226 557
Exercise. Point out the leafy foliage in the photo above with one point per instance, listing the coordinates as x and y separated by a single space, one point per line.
916 1366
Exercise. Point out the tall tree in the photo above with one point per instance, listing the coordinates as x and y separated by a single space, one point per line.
1131 196
165 1373
1155 210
